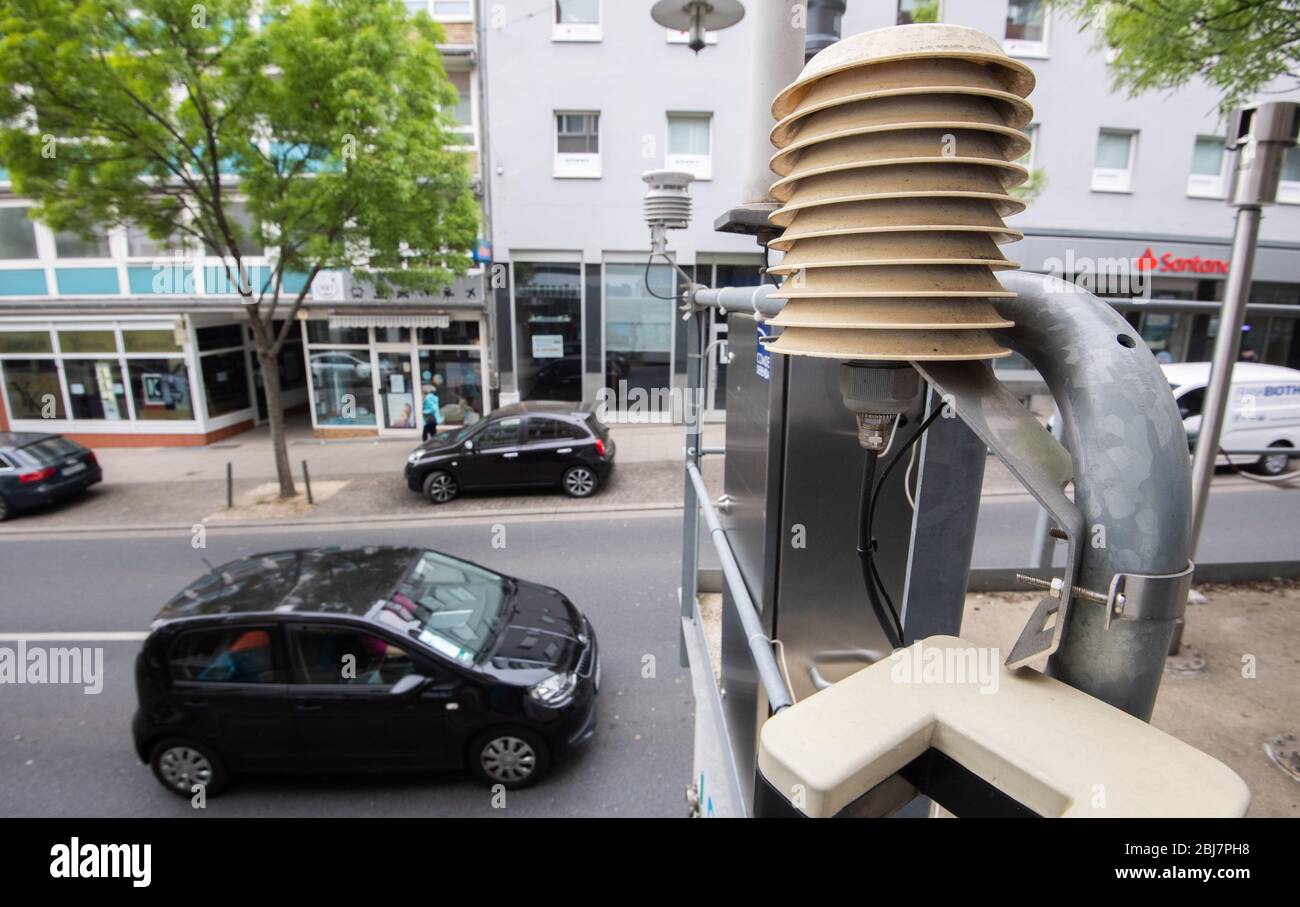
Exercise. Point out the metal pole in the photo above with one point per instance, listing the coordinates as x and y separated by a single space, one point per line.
1044 541
1227 346
776 57
693 412
306 480
230 485
760 648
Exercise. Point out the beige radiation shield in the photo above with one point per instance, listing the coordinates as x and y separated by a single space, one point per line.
945 281
903 215
920 43
947 113
961 181
891 314
889 346
900 79
922 248
954 147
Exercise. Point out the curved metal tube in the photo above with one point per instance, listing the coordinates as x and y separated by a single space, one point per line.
1132 476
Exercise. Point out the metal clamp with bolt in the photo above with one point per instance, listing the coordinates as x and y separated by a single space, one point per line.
1131 596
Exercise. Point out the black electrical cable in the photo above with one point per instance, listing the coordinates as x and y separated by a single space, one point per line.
888 620
876 587
775 282
650 289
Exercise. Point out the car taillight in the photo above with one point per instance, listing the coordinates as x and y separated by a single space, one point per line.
600 447
37 475
91 458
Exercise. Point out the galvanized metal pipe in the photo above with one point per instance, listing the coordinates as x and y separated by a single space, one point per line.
1132 477
760 648
746 300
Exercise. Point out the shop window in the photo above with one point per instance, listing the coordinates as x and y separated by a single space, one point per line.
220 337
638 329
96 389
392 335
25 342
324 332
689 144
1026 28
87 341
160 389
1207 177
458 333
74 245
577 145
32 386
150 341
548 330
576 20
17 234
225 382
1113 171
342 389
458 376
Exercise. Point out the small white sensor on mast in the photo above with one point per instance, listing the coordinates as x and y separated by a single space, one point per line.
667 204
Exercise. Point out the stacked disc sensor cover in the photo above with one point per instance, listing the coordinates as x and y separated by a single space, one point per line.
895 167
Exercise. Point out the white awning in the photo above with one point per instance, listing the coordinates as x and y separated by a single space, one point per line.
390 321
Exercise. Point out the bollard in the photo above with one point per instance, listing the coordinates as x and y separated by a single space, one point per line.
230 485
306 480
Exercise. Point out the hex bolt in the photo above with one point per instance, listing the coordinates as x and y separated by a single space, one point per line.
1056 584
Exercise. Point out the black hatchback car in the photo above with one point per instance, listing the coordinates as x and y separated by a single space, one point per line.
538 443
38 469
359 660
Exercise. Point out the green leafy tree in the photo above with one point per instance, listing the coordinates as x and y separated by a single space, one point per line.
317 131
1239 47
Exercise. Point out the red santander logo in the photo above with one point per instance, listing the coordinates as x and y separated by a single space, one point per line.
1170 263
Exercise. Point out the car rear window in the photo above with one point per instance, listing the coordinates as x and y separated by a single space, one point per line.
229 655
49 450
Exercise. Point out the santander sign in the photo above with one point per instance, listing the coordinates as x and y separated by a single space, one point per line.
1169 263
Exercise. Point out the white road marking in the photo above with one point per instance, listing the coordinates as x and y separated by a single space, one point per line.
87 636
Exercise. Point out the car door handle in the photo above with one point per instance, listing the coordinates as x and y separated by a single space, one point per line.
509 456
565 450
308 708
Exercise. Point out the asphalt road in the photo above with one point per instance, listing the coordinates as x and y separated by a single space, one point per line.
66 753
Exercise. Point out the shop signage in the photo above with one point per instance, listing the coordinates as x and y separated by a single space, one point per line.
1169 263
341 286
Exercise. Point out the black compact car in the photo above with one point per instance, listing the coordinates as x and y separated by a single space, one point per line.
38 469
539 443
360 660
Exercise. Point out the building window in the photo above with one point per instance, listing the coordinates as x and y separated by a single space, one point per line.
576 20
1207 179
689 144
96 389
32 388
639 331
1113 171
140 245
73 245
1026 31
457 376
548 330
463 112
577 145
1288 189
911 12
17 234
343 394
1026 160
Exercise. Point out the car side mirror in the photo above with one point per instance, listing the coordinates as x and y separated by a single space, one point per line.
409 685
469 445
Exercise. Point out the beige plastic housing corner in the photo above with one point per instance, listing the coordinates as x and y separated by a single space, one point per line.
1050 747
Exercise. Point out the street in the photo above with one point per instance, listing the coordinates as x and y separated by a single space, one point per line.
66 753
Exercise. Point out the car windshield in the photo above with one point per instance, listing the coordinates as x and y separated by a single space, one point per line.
455 436
449 605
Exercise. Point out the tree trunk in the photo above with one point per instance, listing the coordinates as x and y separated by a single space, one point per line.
275 414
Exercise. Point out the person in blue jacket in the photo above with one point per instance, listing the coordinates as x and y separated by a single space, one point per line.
432 412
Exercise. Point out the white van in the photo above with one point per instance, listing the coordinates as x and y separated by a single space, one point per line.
1263 409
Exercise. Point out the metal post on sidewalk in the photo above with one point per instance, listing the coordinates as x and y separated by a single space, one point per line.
306 481
1260 136
230 485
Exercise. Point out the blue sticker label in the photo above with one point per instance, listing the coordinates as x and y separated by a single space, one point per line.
763 359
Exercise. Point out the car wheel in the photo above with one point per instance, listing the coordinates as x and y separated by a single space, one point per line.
512 757
5 510
1273 464
440 487
579 482
181 764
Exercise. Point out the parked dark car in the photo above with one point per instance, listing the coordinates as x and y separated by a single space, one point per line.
363 660
38 469
538 443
